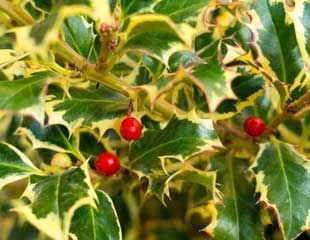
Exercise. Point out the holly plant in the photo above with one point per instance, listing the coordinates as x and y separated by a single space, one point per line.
155 119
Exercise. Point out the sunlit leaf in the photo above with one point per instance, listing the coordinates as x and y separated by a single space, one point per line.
283 178
97 223
54 199
25 95
180 139
14 165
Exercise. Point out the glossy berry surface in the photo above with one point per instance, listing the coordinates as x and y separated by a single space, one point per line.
107 164
254 126
131 129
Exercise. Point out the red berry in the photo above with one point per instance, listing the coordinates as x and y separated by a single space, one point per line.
254 126
131 129
107 163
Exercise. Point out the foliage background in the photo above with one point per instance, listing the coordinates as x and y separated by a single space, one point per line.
192 72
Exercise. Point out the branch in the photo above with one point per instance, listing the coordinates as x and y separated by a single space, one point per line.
16 13
89 71
292 110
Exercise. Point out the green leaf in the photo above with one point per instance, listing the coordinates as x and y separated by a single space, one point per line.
54 199
44 33
91 107
182 11
247 84
130 7
214 82
159 183
305 22
183 58
24 95
276 40
79 34
52 137
48 5
14 165
300 16
145 30
238 214
180 139
283 178
97 223
153 65
45 5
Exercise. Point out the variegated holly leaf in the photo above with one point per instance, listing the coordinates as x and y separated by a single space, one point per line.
182 138
80 35
25 95
238 215
96 223
48 5
247 84
130 7
154 66
300 15
159 184
46 32
52 137
214 82
96 108
100 9
283 177
145 30
183 11
14 165
54 199
275 40
183 58
138 69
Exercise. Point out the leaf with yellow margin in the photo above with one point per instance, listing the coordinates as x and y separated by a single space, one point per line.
54 199
283 177
14 165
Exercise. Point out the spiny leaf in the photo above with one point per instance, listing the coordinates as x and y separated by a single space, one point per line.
214 82
237 214
183 58
300 16
79 34
182 11
91 107
100 223
275 40
130 7
14 165
46 32
48 5
54 199
145 30
51 137
180 139
159 183
283 178
101 9
25 95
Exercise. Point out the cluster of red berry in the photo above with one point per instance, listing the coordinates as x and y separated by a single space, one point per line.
107 163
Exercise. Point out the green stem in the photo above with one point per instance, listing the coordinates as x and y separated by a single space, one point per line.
300 103
63 50
16 13
278 120
293 109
